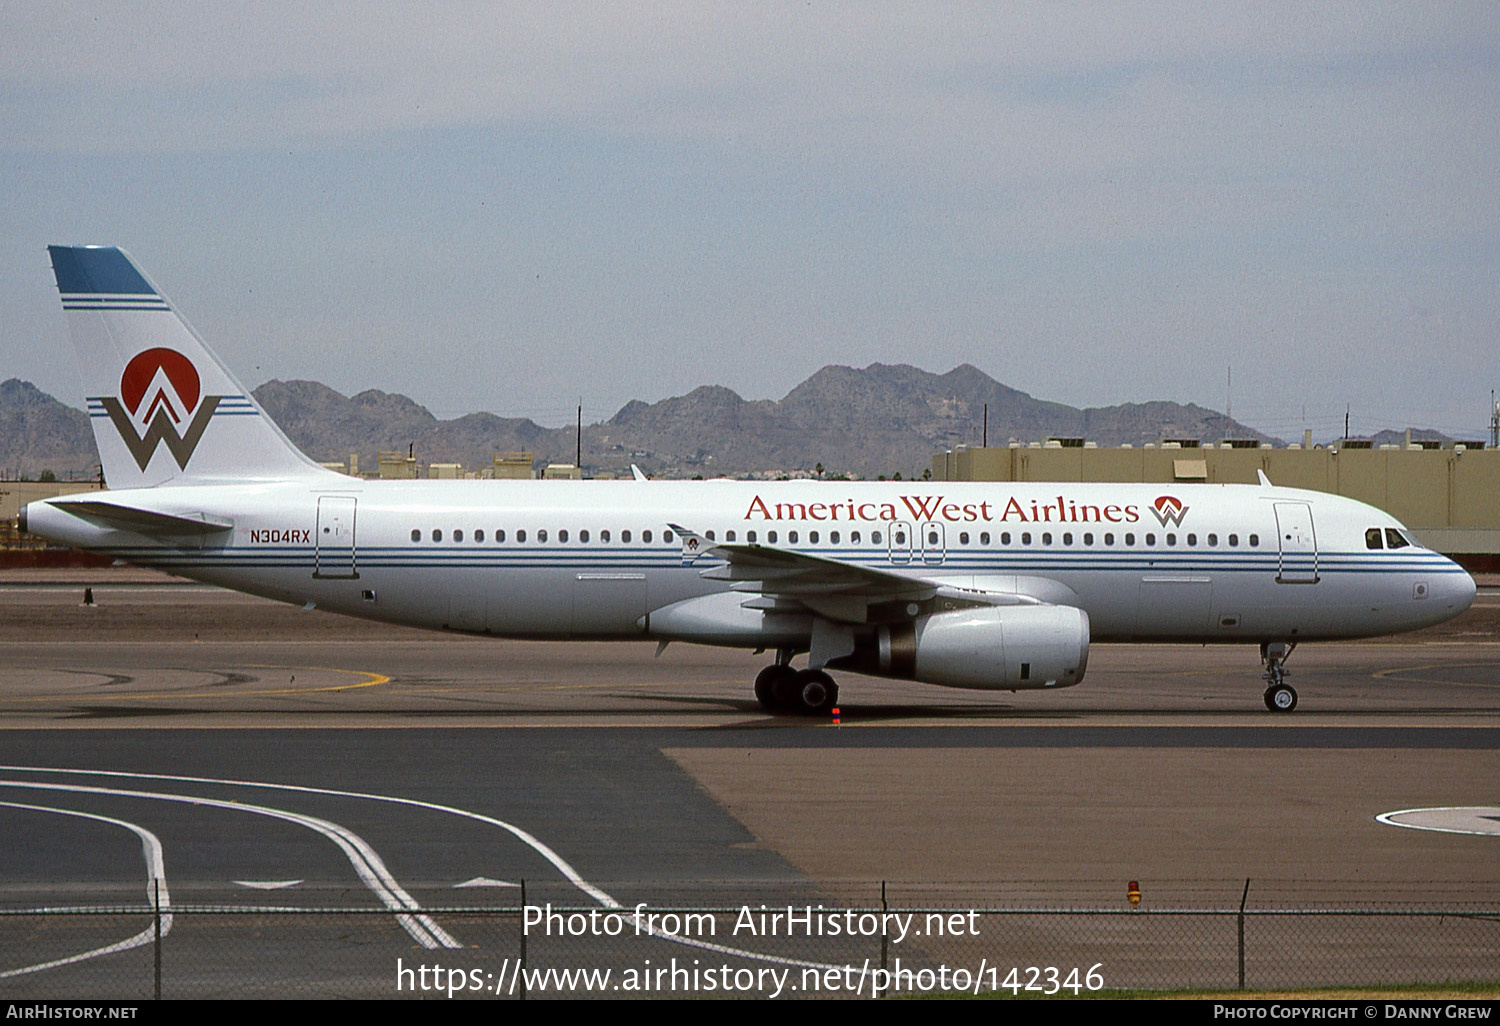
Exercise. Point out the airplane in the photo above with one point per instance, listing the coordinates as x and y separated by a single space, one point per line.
989 586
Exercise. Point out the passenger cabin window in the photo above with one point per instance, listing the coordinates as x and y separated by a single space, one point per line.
646 537
1025 537
541 536
666 536
833 538
416 534
583 536
500 536
984 537
750 537
604 535
625 536
1151 538
458 535
812 536
963 537
1213 539
728 536
874 537
562 535
1046 537
437 534
854 537
1192 538
479 534
520 537
1088 539
1004 537
1254 541
1394 539
900 537
709 535
791 537
1234 540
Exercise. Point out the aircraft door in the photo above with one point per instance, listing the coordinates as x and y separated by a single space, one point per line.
1297 542
334 545
934 539
899 536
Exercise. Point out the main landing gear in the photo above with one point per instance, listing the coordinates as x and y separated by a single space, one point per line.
1280 696
779 688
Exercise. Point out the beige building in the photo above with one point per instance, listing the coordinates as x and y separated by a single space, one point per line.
1450 497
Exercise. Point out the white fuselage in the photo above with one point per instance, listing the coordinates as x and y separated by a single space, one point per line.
564 559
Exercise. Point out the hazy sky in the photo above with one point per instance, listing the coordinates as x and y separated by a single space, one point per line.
509 207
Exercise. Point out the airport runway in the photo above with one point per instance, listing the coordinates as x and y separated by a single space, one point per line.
276 756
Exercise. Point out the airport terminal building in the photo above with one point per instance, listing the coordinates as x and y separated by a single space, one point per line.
1449 496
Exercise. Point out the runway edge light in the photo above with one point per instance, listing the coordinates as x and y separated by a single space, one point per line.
1133 892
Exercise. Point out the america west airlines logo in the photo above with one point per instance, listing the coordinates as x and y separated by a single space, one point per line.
1168 509
161 402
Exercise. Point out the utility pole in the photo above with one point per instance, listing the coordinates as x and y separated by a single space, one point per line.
1494 422
984 441
578 448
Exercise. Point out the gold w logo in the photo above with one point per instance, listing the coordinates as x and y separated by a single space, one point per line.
161 430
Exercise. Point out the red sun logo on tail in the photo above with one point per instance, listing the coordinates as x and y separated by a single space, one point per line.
160 389
1169 509
159 368
167 377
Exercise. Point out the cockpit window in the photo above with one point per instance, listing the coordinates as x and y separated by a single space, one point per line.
1372 538
1394 539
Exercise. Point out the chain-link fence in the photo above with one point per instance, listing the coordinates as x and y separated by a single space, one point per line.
758 948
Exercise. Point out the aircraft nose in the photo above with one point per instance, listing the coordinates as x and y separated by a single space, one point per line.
1457 590
1467 590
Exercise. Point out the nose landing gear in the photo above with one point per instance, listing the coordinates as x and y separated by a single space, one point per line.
1280 696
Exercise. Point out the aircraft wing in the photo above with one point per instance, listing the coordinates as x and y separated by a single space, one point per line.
832 588
141 521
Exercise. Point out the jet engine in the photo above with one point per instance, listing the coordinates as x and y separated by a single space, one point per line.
991 648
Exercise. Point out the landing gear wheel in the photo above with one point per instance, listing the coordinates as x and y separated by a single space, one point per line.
1281 698
817 693
776 688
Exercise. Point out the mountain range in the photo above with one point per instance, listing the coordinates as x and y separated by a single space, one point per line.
880 420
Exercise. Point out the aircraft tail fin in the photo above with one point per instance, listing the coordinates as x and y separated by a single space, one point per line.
163 407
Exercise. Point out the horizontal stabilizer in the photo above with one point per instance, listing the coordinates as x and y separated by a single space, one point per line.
141 521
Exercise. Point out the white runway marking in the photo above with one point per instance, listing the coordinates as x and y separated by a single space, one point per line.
265 885
156 889
572 875
367 865
484 881
1475 820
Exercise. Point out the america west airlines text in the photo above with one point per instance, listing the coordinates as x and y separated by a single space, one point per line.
933 507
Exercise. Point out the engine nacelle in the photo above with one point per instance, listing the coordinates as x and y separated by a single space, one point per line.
992 648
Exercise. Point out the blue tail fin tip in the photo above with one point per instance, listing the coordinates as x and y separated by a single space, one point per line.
96 270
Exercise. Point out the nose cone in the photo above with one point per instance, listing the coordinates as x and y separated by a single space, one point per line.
1457 591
